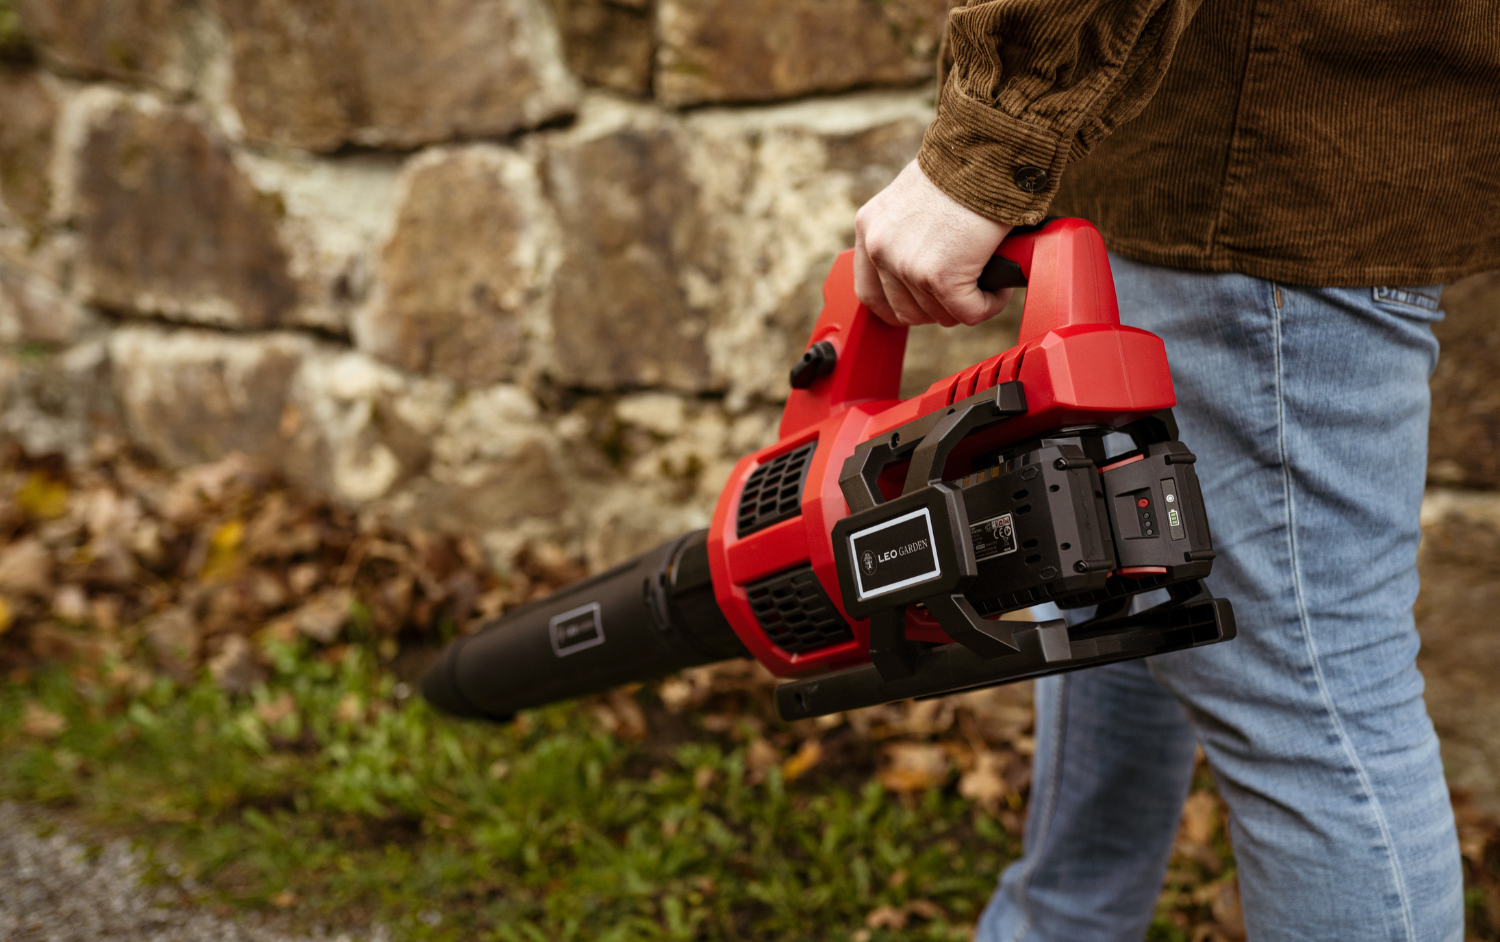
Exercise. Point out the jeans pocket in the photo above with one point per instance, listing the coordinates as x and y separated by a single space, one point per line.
1424 297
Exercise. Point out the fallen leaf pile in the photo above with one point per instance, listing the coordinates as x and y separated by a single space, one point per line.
124 571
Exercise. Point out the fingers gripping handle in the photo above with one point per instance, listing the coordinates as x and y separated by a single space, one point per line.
1062 263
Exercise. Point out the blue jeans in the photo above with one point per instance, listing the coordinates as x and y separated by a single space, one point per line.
1308 410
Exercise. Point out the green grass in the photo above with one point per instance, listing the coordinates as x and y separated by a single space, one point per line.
325 794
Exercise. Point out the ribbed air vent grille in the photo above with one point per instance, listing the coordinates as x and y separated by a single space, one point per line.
774 491
796 613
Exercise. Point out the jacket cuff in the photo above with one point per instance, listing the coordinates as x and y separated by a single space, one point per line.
986 159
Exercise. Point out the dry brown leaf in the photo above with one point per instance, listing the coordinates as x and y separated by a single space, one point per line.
925 908
632 718
913 767
324 616
806 756
146 542
42 497
26 568
265 590
274 711
224 558
303 577
174 640
675 694
53 642
719 722
351 708
985 784
1200 818
829 721
127 677
1228 912
761 757
621 716
70 604
1472 843
235 668
41 722
105 612
886 917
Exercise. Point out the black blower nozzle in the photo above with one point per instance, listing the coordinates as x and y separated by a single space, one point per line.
642 619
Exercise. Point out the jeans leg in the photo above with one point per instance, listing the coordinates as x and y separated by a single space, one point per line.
1114 760
1308 411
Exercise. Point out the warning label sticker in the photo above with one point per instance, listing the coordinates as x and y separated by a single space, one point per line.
993 537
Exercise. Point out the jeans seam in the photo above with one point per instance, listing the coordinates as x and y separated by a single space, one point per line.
1312 652
1028 920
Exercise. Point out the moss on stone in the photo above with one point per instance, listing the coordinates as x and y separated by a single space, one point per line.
15 48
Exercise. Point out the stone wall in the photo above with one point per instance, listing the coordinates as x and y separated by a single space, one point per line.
533 270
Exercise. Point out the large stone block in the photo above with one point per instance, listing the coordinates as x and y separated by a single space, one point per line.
1460 564
1464 445
608 42
157 41
169 224
58 402
471 250
329 418
191 396
386 73
28 115
634 229
763 50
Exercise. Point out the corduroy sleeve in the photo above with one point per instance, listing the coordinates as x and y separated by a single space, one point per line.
1025 86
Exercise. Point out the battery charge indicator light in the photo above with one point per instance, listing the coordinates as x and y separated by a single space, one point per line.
1172 518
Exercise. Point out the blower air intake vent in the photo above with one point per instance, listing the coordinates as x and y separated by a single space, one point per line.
796 613
774 491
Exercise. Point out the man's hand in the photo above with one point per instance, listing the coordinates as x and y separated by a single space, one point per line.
918 255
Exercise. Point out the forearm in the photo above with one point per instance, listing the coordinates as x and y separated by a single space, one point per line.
1035 84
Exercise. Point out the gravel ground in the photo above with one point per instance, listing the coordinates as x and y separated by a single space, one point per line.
59 889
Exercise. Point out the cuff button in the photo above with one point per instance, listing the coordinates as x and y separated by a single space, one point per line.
1030 179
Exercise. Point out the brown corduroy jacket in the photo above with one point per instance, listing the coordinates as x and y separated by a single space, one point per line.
1319 142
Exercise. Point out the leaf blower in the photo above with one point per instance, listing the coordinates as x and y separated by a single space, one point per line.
868 553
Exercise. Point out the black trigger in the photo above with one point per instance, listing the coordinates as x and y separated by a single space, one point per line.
1001 272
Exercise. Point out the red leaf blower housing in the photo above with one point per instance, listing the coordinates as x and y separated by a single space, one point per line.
870 550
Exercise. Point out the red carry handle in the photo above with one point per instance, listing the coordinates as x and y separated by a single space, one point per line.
1066 270
1062 262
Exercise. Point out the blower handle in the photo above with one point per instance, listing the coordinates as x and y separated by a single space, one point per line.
854 356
